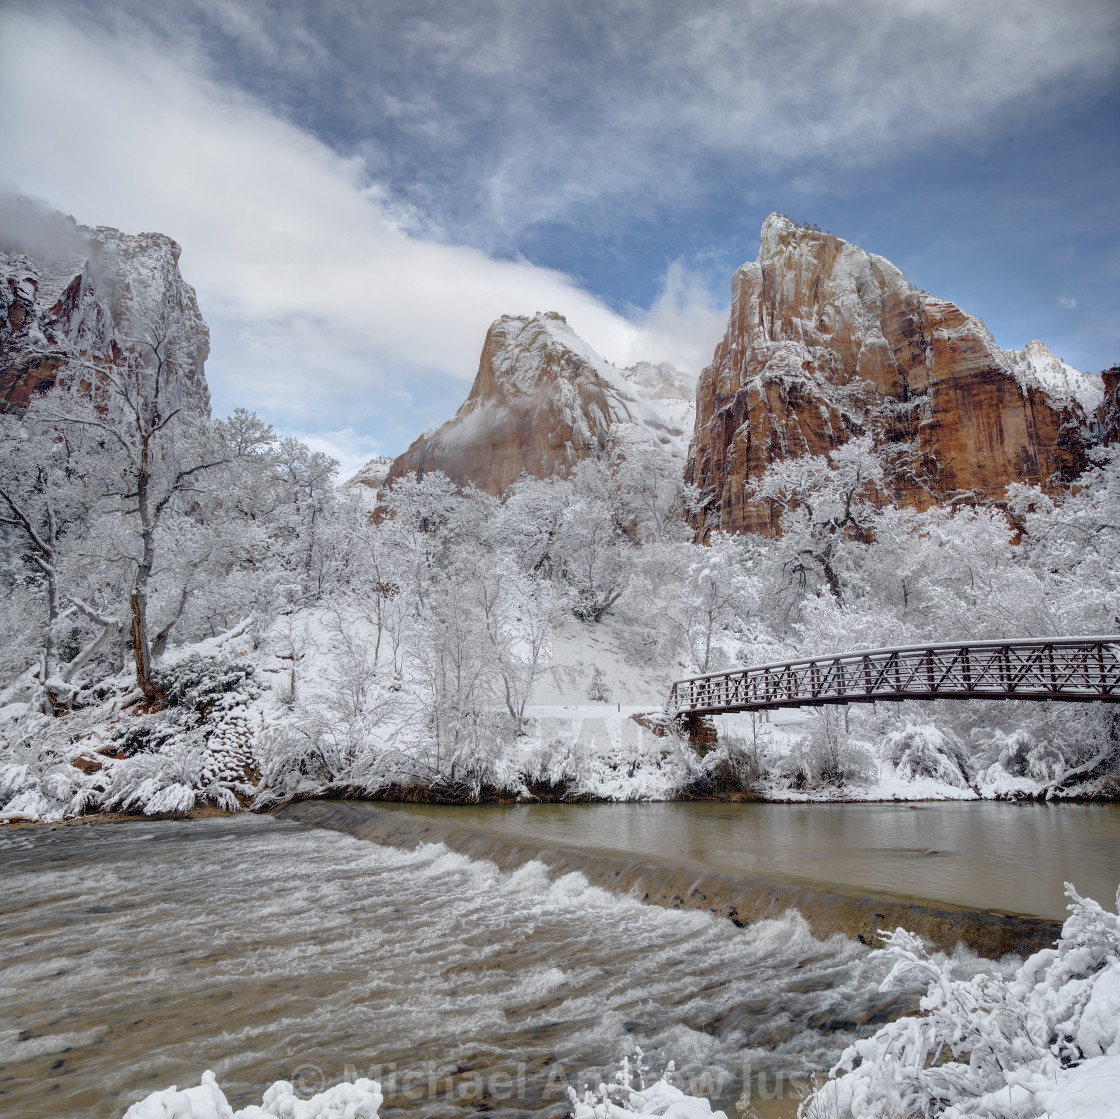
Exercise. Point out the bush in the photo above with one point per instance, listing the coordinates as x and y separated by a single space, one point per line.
922 750
988 1048
828 758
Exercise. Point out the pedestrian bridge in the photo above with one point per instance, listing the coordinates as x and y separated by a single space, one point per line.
1069 669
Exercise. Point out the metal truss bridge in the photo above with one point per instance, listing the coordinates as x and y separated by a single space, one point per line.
1070 669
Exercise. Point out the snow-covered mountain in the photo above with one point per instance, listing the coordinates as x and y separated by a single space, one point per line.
825 341
1035 366
543 400
369 480
74 297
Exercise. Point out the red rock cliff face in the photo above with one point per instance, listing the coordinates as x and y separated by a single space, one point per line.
75 307
1108 414
542 401
825 341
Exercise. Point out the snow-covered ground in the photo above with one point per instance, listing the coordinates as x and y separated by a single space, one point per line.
259 717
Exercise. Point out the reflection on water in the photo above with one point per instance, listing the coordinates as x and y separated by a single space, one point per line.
138 955
1014 858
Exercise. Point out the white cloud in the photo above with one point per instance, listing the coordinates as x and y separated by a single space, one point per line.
501 114
684 322
324 313
352 449
1067 302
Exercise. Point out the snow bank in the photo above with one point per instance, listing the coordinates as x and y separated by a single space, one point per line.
1045 1043
662 1098
362 1099
359 1100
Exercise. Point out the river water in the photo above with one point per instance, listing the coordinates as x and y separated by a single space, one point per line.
137 955
992 855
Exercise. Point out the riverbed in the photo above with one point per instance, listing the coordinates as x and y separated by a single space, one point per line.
136 955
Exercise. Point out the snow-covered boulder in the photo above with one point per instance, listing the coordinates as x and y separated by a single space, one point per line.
359 1100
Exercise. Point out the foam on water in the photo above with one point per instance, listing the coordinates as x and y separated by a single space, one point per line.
136 957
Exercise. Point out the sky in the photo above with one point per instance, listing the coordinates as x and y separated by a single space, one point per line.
360 188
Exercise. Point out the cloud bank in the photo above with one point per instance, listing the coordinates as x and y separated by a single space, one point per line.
325 314
352 184
491 117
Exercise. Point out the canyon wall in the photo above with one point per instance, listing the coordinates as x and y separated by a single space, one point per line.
826 342
77 301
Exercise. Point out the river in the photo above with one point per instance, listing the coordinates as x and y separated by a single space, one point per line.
136 955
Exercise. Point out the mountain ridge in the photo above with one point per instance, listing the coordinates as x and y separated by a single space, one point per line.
74 297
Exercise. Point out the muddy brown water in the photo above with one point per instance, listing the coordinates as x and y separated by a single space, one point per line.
990 875
136 955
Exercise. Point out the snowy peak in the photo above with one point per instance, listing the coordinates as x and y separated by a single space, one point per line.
524 357
542 400
369 480
1035 366
71 296
825 340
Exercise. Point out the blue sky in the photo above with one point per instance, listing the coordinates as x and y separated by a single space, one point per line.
360 188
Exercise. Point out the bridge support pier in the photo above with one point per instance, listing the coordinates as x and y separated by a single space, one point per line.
700 731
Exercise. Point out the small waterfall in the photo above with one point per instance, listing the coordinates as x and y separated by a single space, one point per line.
743 899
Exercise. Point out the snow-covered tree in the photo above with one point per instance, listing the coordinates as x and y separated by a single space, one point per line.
825 507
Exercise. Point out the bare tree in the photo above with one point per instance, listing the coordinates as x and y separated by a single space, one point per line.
41 477
158 449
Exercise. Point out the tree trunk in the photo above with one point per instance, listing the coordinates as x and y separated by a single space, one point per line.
140 649
160 642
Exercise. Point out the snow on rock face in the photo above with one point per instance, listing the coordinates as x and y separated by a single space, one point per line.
80 301
825 341
542 401
369 480
1034 365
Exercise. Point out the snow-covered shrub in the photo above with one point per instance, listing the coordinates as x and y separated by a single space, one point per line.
563 763
37 781
737 763
205 701
990 1048
177 777
598 691
359 1100
335 737
1023 757
923 750
629 1094
204 683
1054 750
197 748
617 765
827 758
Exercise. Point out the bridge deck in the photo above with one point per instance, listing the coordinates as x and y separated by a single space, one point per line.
1070 669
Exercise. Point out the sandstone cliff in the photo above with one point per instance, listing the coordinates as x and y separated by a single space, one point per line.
72 299
825 341
1108 414
542 401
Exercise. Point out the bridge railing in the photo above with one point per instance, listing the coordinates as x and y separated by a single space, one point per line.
1077 669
